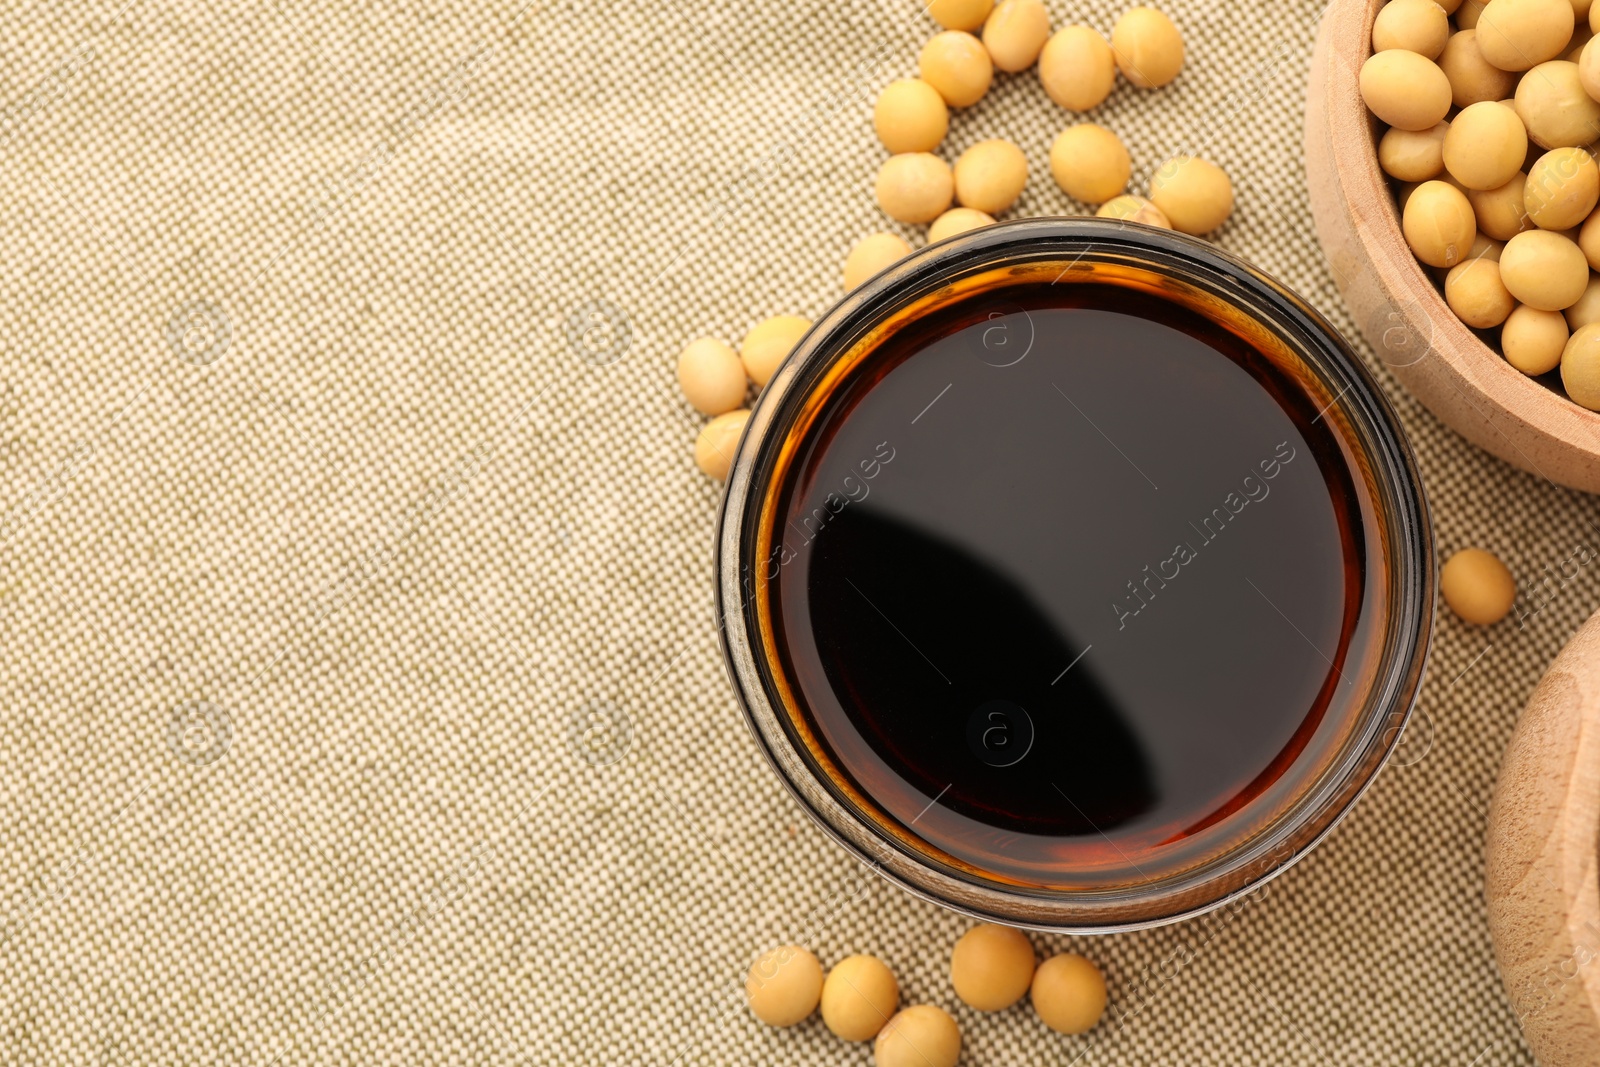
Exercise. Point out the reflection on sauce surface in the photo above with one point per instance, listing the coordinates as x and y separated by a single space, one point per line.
1072 576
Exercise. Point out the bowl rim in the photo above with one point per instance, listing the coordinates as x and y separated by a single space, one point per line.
1457 374
1406 642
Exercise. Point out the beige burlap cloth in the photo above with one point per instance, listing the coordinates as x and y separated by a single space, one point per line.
362 699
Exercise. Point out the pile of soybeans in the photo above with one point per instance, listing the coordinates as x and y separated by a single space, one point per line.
992 968
1078 69
1493 112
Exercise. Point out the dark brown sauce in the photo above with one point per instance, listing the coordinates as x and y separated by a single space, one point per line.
1070 574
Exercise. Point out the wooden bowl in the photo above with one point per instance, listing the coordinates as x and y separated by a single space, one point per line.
1463 381
1543 878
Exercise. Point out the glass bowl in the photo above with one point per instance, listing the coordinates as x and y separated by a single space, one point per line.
1091 882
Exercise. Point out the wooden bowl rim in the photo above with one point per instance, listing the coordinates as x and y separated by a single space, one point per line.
1540 859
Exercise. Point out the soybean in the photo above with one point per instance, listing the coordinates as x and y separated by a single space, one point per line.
1413 155
910 116
1134 209
1518 34
990 176
963 14
1015 34
1562 188
711 376
1553 106
957 220
1419 26
1069 994
958 66
1405 90
920 1036
1472 78
1589 240
784 984
872 255
915 187
1148 47
1476 294
1438 224
1078 68
858 997
769 343
1477 586
1580 367
714 449
1485 145
991 967
1587 308
1532 339
1589 68
1194 194
1544 269
1500 213
1090 163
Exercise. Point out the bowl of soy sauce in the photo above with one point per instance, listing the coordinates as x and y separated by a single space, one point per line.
1075 574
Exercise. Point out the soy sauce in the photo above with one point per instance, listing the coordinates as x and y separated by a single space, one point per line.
1069 578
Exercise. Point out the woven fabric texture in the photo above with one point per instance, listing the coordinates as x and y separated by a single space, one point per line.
349 497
